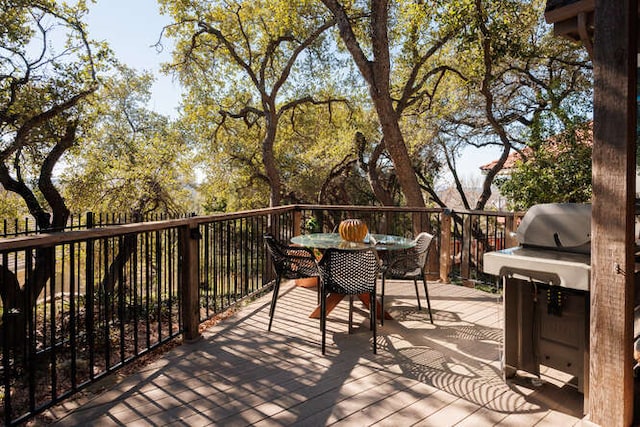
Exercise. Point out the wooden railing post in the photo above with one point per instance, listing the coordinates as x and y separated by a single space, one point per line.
189 236
433 262
465 258
297 222
445 245
510 229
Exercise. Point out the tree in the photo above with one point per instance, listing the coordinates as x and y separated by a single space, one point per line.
518 84
43 91
367 34
41 94
238 58
11 205
556 171
308 147
130 159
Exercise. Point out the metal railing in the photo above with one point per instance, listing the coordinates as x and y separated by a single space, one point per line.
461 237
27 226
77 305
473 233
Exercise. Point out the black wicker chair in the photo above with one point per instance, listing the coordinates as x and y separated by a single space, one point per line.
410 264
348 272
290 262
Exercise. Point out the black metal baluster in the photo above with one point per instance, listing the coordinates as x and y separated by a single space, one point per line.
159 276
170 284
206 268
89 303
124 272
53 308
106 311
166 249
6 354
227 278
72 315
216 267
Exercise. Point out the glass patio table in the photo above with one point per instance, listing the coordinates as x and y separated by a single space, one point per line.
380 242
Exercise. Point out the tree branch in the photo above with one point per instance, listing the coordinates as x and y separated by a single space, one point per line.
20 188
45 183
232 51
296 52
350 40
23 132
371 168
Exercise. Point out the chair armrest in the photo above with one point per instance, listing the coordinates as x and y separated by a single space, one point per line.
402 260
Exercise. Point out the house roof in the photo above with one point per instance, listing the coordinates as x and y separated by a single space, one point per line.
585 136
514 156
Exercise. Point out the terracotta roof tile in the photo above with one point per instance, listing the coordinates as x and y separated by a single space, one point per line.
552 145
514 156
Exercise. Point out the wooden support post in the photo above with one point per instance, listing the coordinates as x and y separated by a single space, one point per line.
189 236
612 245
445 246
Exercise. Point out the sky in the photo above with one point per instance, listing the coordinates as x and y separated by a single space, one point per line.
132 27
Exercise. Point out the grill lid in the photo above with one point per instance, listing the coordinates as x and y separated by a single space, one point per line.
559 226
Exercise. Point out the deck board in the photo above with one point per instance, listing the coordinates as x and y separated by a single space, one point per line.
240 374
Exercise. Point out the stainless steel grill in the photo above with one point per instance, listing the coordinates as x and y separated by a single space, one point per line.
555 242
546 292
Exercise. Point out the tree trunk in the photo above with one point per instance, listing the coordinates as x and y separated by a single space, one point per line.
376 73
394 142
383 195
13 324
269 161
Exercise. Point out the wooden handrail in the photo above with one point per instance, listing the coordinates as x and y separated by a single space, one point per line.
50 239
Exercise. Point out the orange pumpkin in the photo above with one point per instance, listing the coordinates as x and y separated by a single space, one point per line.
353 230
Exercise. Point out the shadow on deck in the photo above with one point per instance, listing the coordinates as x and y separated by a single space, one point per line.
240 374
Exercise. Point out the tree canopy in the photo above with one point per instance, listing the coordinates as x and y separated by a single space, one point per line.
130 160
556 170
323 101
42 93
514 84
238 59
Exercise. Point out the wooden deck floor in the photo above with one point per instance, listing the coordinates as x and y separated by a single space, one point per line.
239 374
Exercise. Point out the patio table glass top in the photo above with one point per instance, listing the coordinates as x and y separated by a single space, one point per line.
333 240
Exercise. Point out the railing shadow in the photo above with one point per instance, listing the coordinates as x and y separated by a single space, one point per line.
240 374
457 359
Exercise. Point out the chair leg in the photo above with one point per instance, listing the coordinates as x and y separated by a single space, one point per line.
350 313
382 301
323 318
372 313
426 292
274 299
415 285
